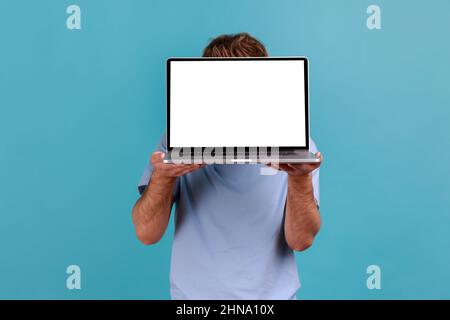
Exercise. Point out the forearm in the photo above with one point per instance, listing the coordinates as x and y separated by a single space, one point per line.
151 212
302 220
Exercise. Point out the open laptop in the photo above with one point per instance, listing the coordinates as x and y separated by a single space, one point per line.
238 110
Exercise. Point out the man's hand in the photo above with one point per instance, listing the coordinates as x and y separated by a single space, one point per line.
152 211
302 217
298 169
170 170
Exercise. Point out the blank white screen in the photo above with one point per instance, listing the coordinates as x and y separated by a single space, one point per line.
237 103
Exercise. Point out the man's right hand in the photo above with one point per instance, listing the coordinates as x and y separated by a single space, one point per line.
151 212
170 170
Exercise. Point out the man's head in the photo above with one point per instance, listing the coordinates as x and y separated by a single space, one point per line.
235 45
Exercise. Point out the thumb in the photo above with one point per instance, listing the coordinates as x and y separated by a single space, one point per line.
157 157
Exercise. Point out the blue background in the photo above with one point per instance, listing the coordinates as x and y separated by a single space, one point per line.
81 111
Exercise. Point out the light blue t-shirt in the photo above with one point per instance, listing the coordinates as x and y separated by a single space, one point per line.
229 237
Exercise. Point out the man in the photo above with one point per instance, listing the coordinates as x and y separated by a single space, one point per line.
235 229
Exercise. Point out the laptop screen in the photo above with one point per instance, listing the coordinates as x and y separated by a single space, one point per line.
237 102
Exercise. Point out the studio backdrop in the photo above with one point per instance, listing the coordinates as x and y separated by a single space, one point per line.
82 107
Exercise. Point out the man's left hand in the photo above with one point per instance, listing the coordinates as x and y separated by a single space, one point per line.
298 169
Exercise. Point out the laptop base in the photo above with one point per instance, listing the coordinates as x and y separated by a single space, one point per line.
295 156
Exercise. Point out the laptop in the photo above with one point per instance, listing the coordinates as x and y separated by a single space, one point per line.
238 110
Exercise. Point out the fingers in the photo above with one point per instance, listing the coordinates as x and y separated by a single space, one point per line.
299 168
285 167
182 169
157 157
320 156
170 169
280 166
296 166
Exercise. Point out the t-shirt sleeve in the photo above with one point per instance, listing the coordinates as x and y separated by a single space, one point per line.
315 174
146 176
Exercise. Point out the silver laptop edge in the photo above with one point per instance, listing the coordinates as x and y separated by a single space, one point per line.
297 155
